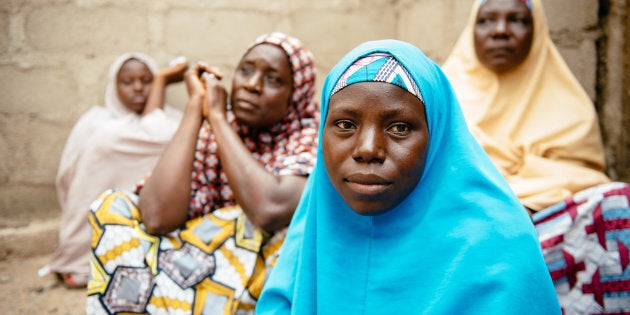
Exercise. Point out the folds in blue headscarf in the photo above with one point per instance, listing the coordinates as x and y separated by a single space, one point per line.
459 243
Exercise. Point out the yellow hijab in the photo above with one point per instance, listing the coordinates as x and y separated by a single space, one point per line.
536 122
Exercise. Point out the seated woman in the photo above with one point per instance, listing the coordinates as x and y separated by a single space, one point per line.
111 146
404 213
540 128
209 222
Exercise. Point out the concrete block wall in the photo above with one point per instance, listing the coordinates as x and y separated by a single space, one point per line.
54 56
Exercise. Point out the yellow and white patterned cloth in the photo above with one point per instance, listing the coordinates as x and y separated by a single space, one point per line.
216 264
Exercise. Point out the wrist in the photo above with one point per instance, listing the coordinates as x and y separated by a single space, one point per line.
195 104
215 117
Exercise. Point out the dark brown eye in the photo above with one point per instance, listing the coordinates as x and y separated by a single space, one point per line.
399 129
246 69
521 20
273 80
147 79
345 125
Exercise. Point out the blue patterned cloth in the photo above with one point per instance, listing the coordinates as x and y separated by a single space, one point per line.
460 242
378 67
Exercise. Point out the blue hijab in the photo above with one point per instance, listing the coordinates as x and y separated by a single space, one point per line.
460 243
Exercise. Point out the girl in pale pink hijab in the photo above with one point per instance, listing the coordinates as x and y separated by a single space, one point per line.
111 146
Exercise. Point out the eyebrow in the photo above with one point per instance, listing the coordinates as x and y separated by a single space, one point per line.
343 110
270 67
389 114
386 114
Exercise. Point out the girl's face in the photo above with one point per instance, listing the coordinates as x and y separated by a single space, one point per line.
503 34
374 143
262 87
133 84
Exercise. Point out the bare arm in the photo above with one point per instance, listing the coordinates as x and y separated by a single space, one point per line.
165 198
164 77
268 201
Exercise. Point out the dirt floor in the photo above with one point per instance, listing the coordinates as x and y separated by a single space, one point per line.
22 291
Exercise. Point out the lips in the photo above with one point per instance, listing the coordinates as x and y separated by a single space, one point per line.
245 104
500 51
138 99
367 184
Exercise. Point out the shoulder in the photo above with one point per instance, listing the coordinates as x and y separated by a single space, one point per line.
94 114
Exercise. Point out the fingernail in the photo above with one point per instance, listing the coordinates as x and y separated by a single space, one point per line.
178 60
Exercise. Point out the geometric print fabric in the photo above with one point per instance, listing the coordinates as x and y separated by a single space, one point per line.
586 242
215 264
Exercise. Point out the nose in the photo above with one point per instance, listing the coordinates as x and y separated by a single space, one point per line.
254 83
500 28
369 146
138 85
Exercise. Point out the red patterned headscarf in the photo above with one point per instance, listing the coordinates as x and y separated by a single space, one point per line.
287 148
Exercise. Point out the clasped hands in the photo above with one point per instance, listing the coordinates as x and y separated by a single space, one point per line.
205 90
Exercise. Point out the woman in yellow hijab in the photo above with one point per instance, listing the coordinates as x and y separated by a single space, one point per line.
534 119
540 128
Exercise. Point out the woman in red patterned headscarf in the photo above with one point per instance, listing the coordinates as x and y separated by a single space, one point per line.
221 195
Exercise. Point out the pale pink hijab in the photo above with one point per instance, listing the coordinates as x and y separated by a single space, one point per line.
109 147
536 122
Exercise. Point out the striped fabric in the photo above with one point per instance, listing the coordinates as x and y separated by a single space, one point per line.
586 242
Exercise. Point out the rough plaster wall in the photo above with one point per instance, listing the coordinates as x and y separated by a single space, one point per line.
54 56
614 84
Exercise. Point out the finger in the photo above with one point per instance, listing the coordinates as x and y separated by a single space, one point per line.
208 78
201 67
190 73
216 72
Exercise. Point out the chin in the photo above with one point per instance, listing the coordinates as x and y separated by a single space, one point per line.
247 122
242 118
252 122
501 66
369 208
136 108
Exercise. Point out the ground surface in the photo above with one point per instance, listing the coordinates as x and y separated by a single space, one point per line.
22 291
26 245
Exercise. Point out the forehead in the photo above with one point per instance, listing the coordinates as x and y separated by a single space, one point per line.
383 98
504 5
133 65
269 54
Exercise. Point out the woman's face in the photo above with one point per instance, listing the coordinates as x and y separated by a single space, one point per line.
133 84
262 86
503 34
374 143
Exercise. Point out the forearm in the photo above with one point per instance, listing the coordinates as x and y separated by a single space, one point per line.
155 99
268 200
165 198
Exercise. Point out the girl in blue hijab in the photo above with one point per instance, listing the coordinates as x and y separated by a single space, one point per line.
404 213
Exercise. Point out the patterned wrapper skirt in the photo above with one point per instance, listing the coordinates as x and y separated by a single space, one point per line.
586 242
215 264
